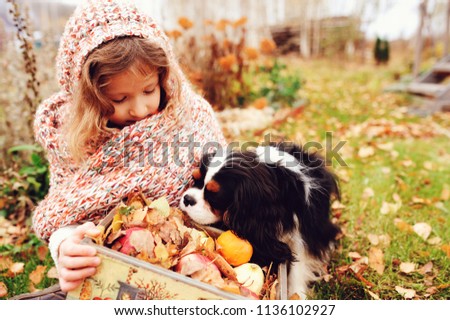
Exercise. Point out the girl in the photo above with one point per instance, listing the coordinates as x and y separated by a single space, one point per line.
125 119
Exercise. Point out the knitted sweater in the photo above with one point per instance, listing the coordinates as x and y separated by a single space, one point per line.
155 155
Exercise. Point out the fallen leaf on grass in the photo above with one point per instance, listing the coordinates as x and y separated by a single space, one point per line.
366 152
3 290
434 240
42 252
327 278
389 146
407 163
37 274
445 195
418 200
32 288
383 240
446 249
373 295
16 268
422 229
403 226
407 267
354 255
337 205
376 260
387 207
405 293
5 262
427 268
368 193
431 291
428 165
386 170
52 273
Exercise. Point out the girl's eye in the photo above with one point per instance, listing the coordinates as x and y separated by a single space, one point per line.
149 91
119 100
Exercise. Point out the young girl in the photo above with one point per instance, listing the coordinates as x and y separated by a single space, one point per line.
125 119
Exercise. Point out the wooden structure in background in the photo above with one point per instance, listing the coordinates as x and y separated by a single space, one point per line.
433 87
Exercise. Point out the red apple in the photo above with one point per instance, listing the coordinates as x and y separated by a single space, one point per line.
126 246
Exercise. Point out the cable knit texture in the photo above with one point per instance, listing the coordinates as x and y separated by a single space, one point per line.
155 155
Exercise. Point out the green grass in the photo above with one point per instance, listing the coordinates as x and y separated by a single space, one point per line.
343 98
27 254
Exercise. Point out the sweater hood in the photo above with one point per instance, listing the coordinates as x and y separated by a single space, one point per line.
95 22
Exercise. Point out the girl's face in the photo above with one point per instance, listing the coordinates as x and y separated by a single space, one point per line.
134 97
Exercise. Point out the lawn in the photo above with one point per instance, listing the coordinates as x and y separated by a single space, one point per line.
395 192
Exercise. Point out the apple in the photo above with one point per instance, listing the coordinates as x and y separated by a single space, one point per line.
126 246
251 276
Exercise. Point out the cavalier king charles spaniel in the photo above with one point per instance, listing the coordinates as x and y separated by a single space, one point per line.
277 197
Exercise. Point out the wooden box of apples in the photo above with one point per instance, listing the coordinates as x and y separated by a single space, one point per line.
152 251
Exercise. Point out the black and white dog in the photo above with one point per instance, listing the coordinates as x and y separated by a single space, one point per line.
277 197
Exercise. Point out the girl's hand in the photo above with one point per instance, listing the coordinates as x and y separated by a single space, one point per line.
77 261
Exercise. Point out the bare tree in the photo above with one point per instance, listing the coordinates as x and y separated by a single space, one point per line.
419 38
447 29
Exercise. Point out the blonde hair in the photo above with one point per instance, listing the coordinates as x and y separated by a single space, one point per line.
90 110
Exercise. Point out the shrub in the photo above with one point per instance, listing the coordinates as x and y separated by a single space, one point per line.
24 184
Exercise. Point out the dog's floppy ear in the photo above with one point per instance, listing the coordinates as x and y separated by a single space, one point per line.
316 227
255 215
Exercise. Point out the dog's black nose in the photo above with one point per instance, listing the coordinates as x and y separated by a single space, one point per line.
189 200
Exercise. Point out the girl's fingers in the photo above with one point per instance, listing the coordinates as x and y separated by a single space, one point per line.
69 248
69 275
69 285
80 231
78 262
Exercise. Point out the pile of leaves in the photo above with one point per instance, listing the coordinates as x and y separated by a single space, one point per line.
164 236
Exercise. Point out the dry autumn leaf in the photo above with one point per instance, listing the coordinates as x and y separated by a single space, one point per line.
373 295
387 208
366 152
422 229
405 293
3 290
402 225
446 249
407 267
52 273
445 194
5 262
37 274
434 240
368 193
376 260
428 165
42 252
16 268
354 255
382 240
337 205
389 146
427 268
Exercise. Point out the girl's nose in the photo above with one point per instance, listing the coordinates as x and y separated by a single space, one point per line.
139 110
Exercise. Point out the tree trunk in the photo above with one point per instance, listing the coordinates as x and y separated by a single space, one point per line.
419 40
447 30
304 30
